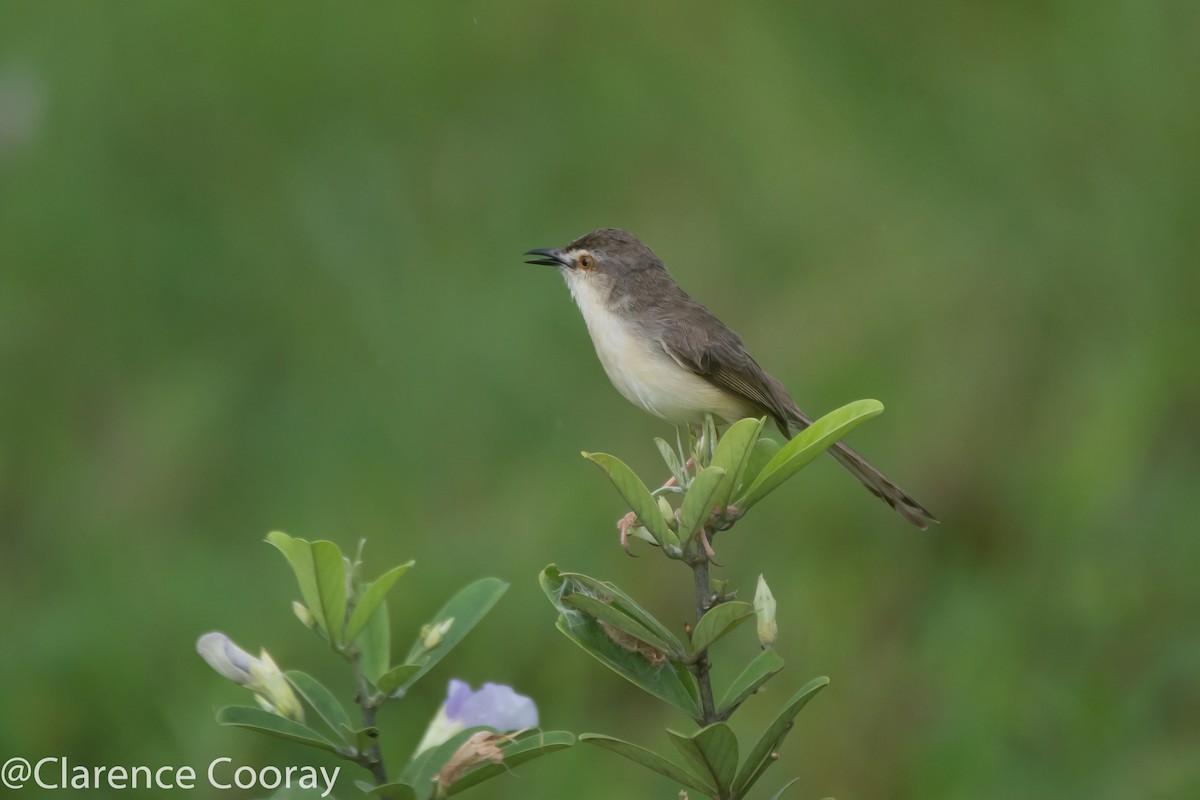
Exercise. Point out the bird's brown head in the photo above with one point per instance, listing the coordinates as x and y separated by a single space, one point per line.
609 252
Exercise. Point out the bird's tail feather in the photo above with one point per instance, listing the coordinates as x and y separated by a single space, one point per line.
875 481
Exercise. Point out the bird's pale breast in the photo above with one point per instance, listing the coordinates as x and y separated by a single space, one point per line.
643 372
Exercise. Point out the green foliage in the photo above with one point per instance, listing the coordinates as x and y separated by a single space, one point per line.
617 620
257 719
323 702
806 446
672 460
356 625
371 597
760 757
713 752
391 681
760 670
718 621
562 585
451 624
320 571
654 669
697 504
390 791
784 788
650 760
733 454
609 625
374 645
740 465
636 495
760 455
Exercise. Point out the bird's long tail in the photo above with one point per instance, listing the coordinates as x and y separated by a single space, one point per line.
875 481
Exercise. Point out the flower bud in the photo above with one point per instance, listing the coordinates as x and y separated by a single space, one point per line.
764 610
432 635
667 512
303 614
260 675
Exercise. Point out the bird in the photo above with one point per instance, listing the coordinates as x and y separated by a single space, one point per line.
670 356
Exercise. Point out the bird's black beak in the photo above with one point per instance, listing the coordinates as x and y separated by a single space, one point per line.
553 257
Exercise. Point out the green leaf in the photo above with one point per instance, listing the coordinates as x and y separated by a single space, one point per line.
330 571
257 719
733 454
761 669
394 678
636 495
370 598
650 760
389 791
321 574
720 749
605 612
760 757
644 668
298 552
760 455
713 753
466 608
557 584
718 621
806 446
708 441
691 446
698 502
667 680
526 748
362 738
374 645
321 699
672 458
783 789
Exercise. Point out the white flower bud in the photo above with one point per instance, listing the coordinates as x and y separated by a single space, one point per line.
303 614
432 635
667 512
260 675
764 610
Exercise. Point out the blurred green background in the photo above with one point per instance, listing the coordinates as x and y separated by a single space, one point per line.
260 268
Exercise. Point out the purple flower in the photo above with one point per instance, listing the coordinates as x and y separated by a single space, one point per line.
494 706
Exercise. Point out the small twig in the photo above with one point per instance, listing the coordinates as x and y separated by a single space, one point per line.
700 668
372 757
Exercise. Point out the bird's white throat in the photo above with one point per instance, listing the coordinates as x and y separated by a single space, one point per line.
639 367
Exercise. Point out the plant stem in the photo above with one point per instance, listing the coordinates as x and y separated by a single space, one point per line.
372 757
700 666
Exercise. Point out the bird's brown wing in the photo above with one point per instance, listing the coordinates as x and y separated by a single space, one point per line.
721 359
716 354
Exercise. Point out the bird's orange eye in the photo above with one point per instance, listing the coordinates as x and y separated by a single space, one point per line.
585 261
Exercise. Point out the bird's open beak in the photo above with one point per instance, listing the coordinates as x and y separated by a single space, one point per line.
553 257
